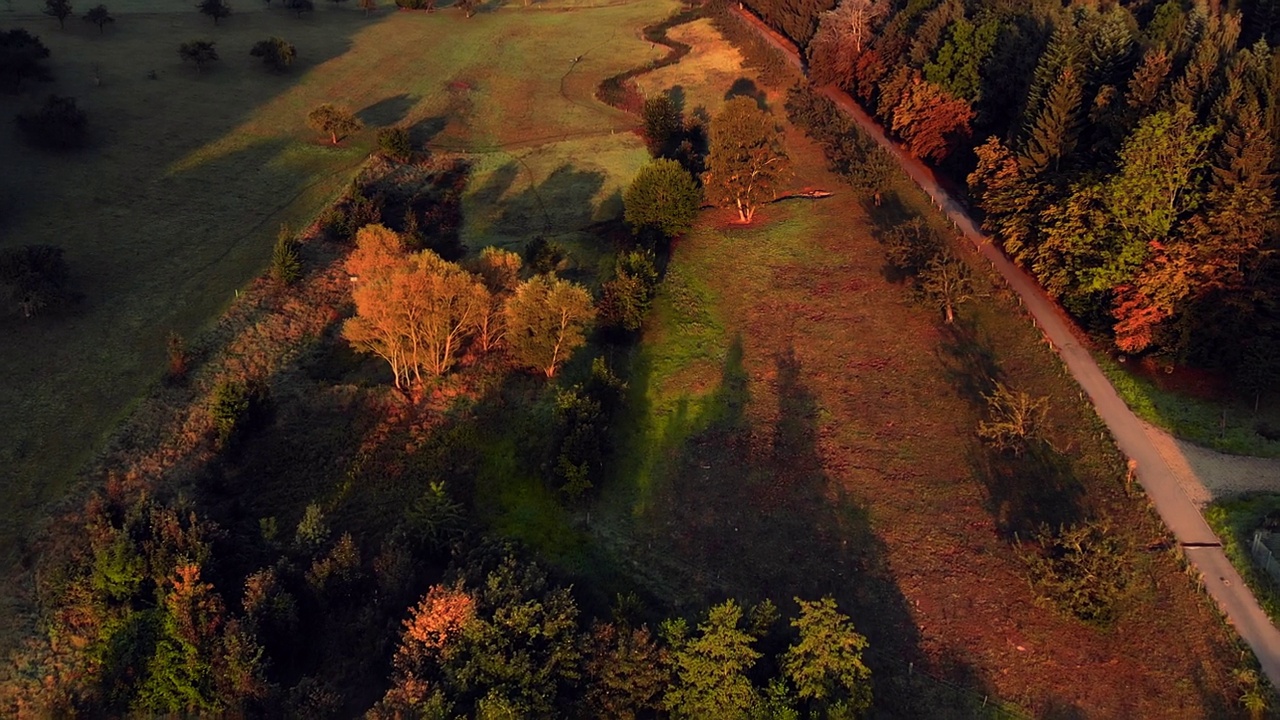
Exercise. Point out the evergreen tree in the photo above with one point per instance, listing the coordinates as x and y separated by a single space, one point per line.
711 669
1053 135
1058 55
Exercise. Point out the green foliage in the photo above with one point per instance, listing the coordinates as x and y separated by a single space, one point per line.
910 246
235 408
1234 521
1082 569
313 528
627 672
849 150
663 124
286 260
664 197
542 255
198 52
947 282
394 144
712 669
625 299
960 61
1053 135
746 163
59 124
355 210
825 664
276 53
333 121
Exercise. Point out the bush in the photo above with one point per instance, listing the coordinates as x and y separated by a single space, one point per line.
276 53
662 125
626 297
342 220
236 408
663 198
394 144
1081 569
33 279
542 255
850 151
59 125
286 263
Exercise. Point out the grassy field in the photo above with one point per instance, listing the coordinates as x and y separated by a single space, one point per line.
178 201
801 426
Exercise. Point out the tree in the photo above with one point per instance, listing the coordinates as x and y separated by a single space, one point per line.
99 16
947 282
333 121
1053 134
21 54
60 9
959 63
711 669
842 37
216 9
664 197
546 321
286 263
415 311
825 664
499 270
199 52
394 144
628 672
1014 418
33 278
368 6
662 124
747 161
930 120
276 53
59 124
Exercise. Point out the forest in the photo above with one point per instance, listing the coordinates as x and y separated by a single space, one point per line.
1124 153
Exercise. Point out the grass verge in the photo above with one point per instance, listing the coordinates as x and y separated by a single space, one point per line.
1230 428
1234 521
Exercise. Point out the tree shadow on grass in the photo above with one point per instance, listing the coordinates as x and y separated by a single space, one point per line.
388 111
425 130
1034 487
744 508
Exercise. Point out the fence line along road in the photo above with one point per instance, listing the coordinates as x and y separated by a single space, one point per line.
1202 548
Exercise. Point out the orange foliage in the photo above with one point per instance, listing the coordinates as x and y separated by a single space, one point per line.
437 619
930 120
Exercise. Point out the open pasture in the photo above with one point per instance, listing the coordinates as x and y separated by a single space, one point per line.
190 175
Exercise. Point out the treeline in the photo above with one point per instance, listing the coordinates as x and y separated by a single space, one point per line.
1123 153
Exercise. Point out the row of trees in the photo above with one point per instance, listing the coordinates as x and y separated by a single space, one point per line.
1124 153
61 9
420 312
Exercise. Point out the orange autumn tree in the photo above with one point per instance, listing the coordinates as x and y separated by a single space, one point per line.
416 311
930 120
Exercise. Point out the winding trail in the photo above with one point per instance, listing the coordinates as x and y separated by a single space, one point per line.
1165 467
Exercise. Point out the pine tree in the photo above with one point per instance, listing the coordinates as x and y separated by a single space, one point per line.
1110 48
1148 78
1053 136
1060 54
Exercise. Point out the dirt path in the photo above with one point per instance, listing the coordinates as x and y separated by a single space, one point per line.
1177 478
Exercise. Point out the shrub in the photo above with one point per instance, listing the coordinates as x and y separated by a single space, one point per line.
626 297
1014 419
542 255
236 407
394 144
33 279
276 53
664 198
909 247
58 125
662 124
333 121
1081 569
286 263
198 52
176 352
344 219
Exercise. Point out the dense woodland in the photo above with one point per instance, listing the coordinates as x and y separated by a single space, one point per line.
1122 152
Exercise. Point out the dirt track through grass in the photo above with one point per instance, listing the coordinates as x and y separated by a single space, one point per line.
177 204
